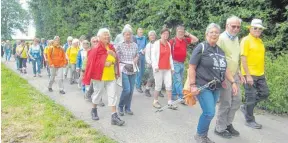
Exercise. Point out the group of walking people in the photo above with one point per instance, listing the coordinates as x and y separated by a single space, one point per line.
99 66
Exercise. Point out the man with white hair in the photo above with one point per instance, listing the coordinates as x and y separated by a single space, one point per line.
102 69
252 67
229 103
66 46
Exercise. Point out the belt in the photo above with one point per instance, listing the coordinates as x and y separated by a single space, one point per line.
178 62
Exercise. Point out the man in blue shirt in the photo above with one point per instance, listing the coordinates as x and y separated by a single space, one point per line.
141 43
43 45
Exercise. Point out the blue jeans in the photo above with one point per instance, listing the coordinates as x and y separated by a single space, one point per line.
128 82
177 82
207 100
139 74
36 62
7 55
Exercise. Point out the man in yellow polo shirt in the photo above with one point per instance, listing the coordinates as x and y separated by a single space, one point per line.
252 67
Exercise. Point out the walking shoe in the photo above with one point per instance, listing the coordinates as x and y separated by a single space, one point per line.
232 131
157 105
139 90
120 111
115 120
147 93
25 72
129 112
200 139
225 134
183 102
65 76
34 75
208 140
173 107
62 92
253 125
50 89
94 114
161 94
39 75
101 104
71 82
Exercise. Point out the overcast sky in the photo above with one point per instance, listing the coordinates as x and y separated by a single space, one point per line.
31 27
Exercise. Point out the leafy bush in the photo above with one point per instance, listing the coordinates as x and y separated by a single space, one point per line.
276 71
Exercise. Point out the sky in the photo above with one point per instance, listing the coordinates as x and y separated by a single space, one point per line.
31 27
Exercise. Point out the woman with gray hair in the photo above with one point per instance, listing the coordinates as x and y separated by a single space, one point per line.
71 54
102 68
149 72
128 57
208 64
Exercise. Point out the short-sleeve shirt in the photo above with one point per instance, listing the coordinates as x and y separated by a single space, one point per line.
164 59
180 48
109 72
254 50
209 65
126 53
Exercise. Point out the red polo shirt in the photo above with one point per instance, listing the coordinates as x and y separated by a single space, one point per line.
164 59
180 48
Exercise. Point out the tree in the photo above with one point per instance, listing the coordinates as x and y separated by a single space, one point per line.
13 17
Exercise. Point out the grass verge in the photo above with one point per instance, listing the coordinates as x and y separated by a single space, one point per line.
29 116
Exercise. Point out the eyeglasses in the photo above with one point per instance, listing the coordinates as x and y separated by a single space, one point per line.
86 43
235 27
94 41
257 28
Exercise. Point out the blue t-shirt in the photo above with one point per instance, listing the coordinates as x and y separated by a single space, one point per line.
35 51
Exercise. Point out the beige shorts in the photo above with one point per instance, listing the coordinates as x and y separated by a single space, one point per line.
163 76
106 88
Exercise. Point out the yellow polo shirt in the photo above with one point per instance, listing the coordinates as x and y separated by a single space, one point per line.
109 72
72 53
23 51
254 50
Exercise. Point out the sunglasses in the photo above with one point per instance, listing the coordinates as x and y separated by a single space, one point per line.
235 27
256 28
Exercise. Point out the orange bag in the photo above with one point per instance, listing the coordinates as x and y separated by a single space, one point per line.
190 98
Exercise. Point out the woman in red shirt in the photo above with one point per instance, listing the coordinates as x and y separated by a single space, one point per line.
162 65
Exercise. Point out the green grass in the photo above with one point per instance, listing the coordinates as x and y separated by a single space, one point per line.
29 116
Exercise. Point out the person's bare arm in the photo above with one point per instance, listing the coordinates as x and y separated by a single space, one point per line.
194 39
192 79
249 78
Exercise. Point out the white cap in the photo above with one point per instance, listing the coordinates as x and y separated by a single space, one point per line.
257 23
70 38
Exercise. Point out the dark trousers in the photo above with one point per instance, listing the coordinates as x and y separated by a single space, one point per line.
22 63
254 94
